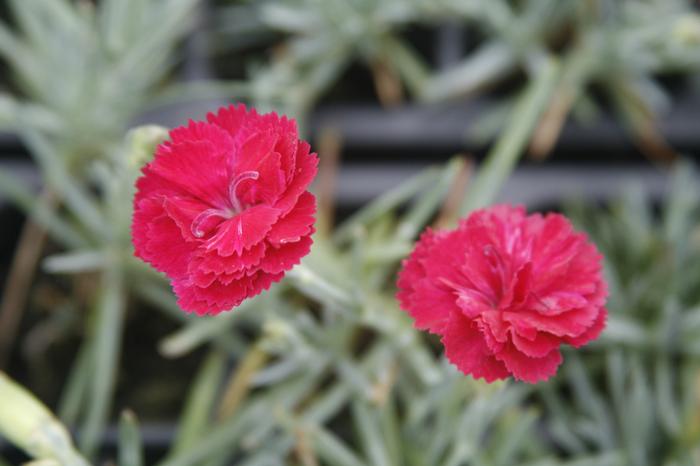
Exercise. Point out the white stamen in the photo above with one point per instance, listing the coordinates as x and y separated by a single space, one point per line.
233 197
203 217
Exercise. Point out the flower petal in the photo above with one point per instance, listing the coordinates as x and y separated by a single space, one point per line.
529 369
592 332
297 223
197 167
304 173
428 301
243 231
465 348
285 256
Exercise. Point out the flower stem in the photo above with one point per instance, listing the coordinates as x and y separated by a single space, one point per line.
106 344
313 285
27 423
502 158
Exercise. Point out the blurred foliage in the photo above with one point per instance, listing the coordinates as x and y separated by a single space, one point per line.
326 368
329 339
638 393
610 49
82 72
330 371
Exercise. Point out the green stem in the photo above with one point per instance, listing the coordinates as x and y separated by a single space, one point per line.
106 345
130 443
314 286
27 423
196 416
502 158
73 395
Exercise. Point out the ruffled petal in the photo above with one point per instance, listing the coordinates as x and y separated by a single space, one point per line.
592 332
158 240
285 256
297 223
515 287
428 301
197 167
205 267
223 209
304 173
243 231
529 369
570 324
465 348
218 296
231 118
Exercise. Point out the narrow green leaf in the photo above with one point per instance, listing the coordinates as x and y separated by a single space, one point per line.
106 341
313 285
507 452
391 431
680 202
21 195
120 21
486 65
130 443
252 424
501 159
75 262
413 70
368 430
27 423
203 330
590 401
161 298
426 205
386 202
197 413
612 458
73 398
624 330
667 408
560 425
332 450
225 437
326 405
68 187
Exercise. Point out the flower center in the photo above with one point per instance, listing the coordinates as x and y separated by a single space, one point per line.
498 265
235 205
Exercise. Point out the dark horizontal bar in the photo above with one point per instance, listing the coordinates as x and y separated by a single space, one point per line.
535 186
447 126
443 127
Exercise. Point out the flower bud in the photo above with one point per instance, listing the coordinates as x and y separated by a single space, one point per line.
27 423
687 30
141 143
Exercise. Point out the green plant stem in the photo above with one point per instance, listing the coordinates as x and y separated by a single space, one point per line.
198 410
313 285
106 344
502 158
73 396
201 331
130 444
27 423
41 211
238 385
386 202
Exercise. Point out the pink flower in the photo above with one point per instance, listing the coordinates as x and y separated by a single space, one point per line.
505 290
223 208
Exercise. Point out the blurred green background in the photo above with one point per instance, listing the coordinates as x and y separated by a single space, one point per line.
421 110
